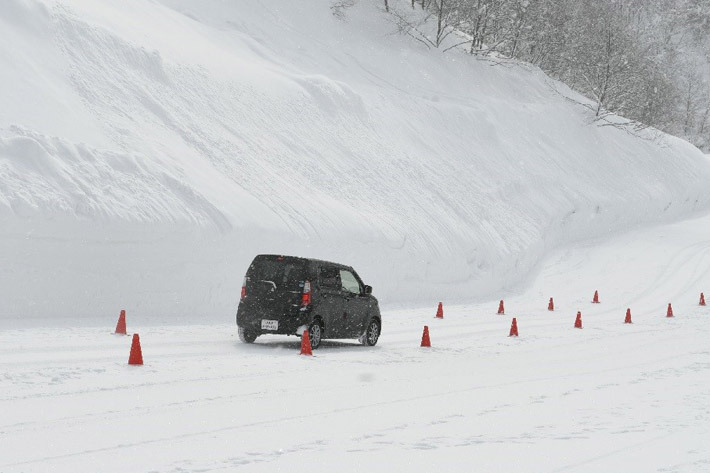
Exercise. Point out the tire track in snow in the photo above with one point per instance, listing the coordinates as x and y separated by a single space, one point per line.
436 395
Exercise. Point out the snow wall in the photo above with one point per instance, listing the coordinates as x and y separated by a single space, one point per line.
149 149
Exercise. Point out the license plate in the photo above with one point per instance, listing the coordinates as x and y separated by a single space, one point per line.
269 324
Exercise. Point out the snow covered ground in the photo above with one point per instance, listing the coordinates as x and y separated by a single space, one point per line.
609 397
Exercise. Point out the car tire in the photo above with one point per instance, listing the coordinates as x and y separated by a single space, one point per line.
315 333
372 333
246 336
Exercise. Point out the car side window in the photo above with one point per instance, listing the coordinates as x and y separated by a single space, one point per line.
329 278
350 282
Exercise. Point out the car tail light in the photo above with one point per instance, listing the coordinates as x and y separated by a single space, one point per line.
306 297
244 289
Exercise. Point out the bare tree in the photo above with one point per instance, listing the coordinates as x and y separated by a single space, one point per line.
446 18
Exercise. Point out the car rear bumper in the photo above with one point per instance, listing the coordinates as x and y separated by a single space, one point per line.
288 324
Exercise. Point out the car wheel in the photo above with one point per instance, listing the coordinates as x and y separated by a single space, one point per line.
246 336
372 334
315 332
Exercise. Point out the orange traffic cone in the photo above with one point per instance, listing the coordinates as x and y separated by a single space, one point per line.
440 312
596 298
669 312
551 305
306 344
121 325
627 320
514 328
578 320
702 299
425 337
136 356
501 309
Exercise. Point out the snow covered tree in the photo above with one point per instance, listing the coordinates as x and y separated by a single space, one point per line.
635 58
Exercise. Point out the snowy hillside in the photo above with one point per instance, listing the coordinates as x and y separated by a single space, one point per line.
148 150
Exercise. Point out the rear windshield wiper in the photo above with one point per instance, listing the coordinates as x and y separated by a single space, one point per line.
270 282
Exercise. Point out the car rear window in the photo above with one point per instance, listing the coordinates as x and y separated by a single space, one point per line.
283 273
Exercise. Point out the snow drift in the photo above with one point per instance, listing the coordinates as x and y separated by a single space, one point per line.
149 150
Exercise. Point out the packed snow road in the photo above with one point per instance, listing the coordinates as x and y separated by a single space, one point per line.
609 397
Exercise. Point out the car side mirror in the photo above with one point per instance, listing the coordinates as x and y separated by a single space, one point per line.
368 289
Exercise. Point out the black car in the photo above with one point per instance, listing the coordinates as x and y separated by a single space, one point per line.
287 295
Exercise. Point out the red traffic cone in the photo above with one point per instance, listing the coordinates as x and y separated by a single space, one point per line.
136 356
551 305
578 320
425 337
121 325
440 312
702 299
595 300
669 312
501 308
306 344
514 328
627 320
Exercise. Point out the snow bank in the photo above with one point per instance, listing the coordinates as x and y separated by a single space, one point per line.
149 151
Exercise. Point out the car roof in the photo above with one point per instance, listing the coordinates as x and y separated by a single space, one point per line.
310 260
